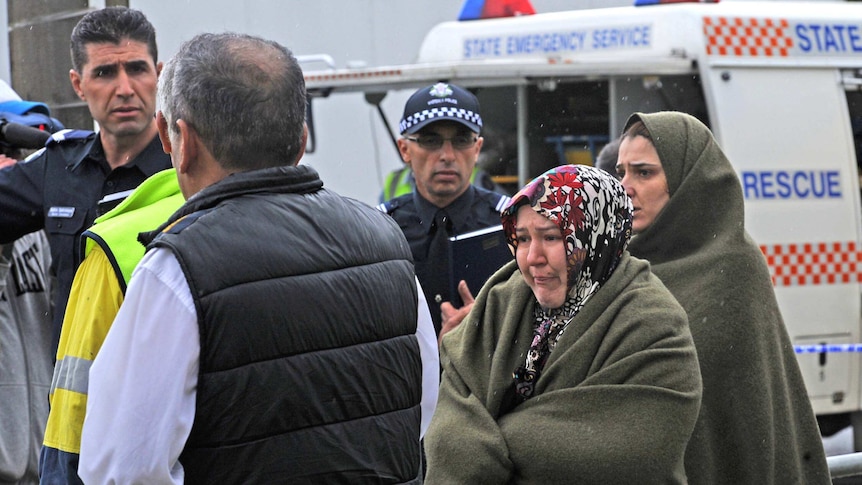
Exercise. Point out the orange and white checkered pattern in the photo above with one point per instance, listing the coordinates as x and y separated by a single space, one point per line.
747 37
823 263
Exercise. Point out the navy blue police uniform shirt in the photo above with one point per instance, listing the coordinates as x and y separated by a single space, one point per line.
62 188
475 209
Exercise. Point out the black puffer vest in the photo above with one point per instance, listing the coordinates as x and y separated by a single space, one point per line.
306 301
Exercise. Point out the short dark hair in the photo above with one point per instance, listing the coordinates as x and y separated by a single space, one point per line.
111 25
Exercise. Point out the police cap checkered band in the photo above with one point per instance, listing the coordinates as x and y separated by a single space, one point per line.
441 102
418 120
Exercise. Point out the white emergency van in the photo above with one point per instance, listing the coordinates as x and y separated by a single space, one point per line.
779 83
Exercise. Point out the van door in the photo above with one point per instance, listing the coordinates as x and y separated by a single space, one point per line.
788 133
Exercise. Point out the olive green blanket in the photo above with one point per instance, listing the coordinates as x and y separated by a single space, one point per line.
756 425
616 401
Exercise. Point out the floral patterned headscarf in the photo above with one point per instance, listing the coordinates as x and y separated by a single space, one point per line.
594 214
595 218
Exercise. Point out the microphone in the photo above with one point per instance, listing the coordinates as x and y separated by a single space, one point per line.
22 136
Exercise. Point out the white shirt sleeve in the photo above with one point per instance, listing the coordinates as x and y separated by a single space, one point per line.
430 361
142 386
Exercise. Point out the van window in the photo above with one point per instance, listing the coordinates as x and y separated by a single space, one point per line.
569 121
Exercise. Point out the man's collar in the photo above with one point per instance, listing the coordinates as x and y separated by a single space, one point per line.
149 161
458 210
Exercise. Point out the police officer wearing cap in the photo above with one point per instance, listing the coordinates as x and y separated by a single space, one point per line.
440 141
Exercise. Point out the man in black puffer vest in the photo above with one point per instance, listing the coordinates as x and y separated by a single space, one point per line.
274 332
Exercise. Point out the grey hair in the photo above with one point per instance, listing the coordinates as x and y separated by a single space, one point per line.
244 96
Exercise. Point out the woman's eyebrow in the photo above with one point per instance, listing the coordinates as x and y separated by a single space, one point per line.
548 228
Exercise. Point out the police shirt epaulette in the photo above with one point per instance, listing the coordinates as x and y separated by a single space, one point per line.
502 203
67 136
388 206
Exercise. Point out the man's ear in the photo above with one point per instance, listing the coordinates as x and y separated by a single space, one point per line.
162 125
159 66
304 141
188 149
75 79
402 149
479 142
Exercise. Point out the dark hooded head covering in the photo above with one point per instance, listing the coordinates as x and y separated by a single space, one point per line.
756 424
705 194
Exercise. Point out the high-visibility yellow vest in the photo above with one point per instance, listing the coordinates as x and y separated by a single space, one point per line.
145 209
110 246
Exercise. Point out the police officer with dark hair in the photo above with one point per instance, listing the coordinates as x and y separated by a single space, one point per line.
440 141
81 174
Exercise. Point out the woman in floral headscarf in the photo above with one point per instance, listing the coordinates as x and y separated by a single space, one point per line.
575 363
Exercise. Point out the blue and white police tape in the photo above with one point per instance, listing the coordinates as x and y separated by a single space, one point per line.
827 348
